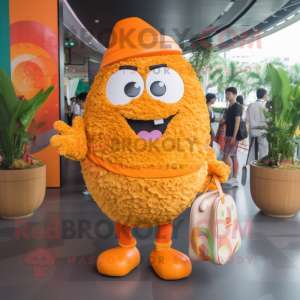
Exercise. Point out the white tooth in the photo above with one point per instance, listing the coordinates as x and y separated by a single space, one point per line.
158 122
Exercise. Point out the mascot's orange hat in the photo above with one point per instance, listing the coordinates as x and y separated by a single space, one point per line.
134 37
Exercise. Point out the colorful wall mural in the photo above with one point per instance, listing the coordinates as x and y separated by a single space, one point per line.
34 66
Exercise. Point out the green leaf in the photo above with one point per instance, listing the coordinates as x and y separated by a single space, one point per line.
21 132
4 113
29 114
41 124
285 92
25 105
13 120
8 92
295 125
7 124
33 127
286 85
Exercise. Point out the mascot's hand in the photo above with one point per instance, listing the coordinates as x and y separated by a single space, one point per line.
217 167
72 142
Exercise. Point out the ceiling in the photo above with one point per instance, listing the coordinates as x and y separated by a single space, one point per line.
80 54
174 17
80 48
262 16
186 20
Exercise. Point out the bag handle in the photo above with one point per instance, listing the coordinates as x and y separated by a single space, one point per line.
207 186
218 184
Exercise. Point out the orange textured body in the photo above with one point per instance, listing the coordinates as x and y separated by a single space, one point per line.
143 202
104 131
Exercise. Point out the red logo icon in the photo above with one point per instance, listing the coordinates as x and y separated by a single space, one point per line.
39 258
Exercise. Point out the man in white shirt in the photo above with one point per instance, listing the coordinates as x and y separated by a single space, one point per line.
78 111
254 116
81 102
73 104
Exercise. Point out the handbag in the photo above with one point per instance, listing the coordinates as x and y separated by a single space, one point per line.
214 227
220 136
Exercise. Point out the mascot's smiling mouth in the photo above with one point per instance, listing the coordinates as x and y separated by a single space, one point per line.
149 130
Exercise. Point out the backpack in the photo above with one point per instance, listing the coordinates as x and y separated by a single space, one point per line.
214 227
242 132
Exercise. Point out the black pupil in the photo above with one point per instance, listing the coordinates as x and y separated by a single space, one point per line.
158 88
131 90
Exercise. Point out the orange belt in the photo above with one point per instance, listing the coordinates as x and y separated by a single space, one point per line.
146 172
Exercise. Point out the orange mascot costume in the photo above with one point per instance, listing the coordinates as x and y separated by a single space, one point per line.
143 144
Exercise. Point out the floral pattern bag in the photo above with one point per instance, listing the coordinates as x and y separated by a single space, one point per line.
214 227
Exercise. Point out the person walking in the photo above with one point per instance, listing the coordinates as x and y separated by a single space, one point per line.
233 119
76 111
81 102
240 100
73 104
243 143
221 133
254 116
68 113
210 100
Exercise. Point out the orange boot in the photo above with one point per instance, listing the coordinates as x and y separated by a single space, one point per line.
168 263
121 260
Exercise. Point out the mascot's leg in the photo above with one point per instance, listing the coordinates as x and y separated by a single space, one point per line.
168 263
121 260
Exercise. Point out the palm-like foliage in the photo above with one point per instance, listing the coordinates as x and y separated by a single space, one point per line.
15 118
225 73
258 76
283 114
245 78
201 56
294 74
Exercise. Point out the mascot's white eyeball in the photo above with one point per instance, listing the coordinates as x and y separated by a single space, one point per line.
165 84
123 86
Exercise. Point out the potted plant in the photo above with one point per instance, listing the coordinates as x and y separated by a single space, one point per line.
22 177
275 179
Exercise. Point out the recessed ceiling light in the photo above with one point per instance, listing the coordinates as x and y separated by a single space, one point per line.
96 21
270 28
290 17
90 43
66 67
280 23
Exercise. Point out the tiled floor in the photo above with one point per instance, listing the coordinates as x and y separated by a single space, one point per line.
267 266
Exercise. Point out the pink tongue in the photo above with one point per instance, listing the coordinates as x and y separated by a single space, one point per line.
147 136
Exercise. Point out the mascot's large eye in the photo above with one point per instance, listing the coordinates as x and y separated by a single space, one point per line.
123 86
132 89
158 88
165 84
